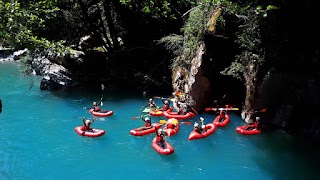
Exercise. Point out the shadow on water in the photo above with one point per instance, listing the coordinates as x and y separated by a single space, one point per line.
284 156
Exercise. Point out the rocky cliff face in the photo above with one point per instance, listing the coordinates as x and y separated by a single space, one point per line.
291 98
193 82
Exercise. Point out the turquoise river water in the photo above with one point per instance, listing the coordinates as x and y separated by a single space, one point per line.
38 141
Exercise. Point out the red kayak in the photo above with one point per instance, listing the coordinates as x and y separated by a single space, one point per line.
164 148
245 130
141 131
91 133
175 115
171 127
223 122
208 130
102 113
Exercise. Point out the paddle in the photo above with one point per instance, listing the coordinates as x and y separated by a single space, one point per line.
215 109
164 121
262 110
102 88
225 94
134 118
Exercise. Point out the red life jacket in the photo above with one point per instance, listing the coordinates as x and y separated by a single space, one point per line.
87 127
222 115
96 108
148 124
170 126
159 139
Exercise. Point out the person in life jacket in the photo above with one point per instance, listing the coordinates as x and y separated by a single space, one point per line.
166 104
222 115
87 123
147 120
148 123
96 106
160 133
181 108
258 123
172 123
152 104
199 127
255 125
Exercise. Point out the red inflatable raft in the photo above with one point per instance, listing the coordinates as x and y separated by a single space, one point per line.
171 127
245 130
222 123
93 133
159 112
208 130
156 113
141 131
178 116
103 113
166 149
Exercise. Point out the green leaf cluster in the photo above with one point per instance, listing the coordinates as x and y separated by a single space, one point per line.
21 22
158 8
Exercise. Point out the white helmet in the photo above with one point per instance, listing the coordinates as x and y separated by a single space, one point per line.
196 124
159 131
87 121
166 101
94 103
258 118
201 119
150 99
147 119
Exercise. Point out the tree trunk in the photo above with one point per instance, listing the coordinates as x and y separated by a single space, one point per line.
250 81
112 29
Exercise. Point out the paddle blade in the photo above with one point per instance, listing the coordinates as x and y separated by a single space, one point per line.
102 87
188 123
135 117
209 109
263 110
215 109
163 121
101 104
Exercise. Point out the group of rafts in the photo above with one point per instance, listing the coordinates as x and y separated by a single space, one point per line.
171 126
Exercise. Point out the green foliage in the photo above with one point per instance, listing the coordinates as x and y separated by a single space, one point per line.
173 43
158 8
250 42
193 33
19 22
